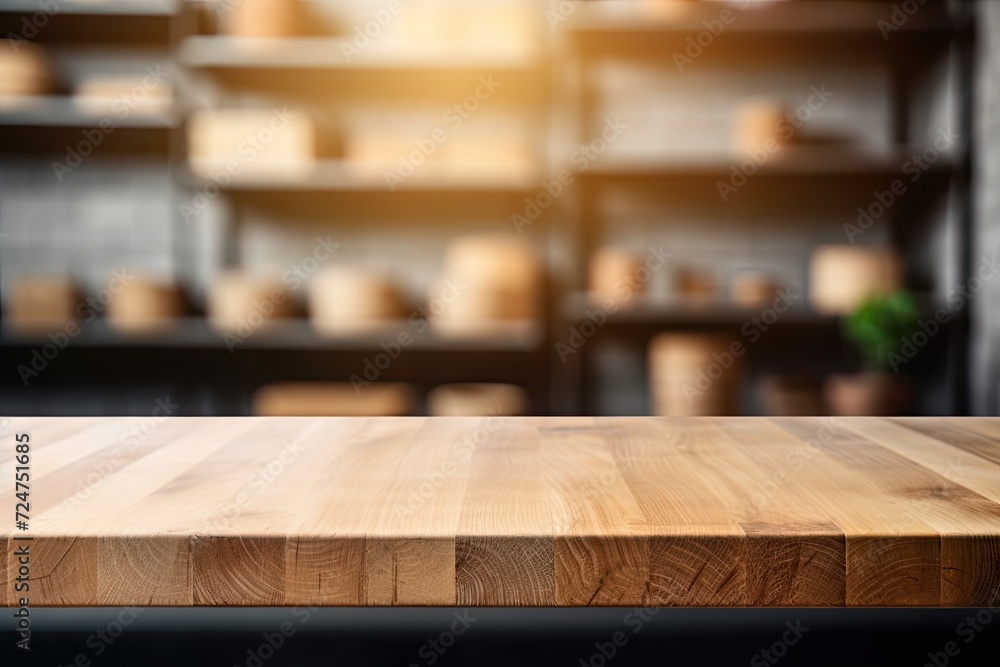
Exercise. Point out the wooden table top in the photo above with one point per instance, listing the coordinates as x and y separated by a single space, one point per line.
507 511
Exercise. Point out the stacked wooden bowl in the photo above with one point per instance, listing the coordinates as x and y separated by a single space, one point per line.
41 304
239 300
333 399
477 399
694 374
759 126
752 289
487 280
145 305
696 287
348 300
25 70
614 275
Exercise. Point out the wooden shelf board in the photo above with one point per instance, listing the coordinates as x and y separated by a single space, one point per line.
62 111
641 311
297 334
344 176
765 19
819 161
329 53
109 8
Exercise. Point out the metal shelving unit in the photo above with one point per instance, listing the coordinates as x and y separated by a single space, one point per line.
192 356
801 180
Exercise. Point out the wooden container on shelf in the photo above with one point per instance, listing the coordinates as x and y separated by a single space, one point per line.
752 289
238 299
481 24
485 150
368 146
500 282
345 300
25 69
493 260
696 287
332 399
145 305
842 276
41 304
791 396
376 144
259 141
758 125
613 274
477 399
266 19
97 95
694 374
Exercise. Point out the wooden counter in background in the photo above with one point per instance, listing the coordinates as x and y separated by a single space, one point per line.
511 512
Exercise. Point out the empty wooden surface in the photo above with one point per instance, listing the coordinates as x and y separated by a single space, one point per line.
508 511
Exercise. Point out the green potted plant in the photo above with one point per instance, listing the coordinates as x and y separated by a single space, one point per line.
877 328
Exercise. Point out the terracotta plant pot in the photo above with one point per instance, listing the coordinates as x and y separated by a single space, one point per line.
867 395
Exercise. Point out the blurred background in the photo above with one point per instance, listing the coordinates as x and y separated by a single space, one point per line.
387 207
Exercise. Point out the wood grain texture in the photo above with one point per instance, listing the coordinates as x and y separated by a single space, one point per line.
737 512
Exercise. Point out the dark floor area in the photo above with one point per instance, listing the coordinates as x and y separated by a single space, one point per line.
488 637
